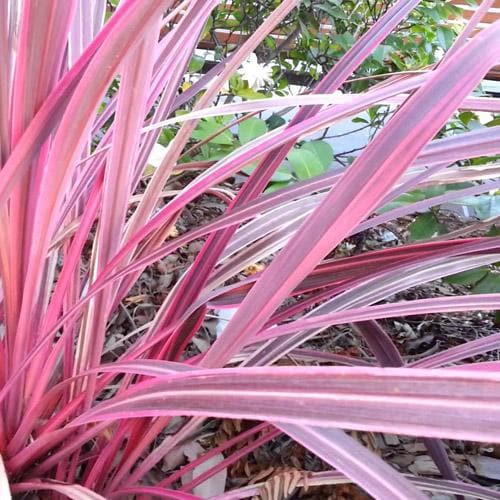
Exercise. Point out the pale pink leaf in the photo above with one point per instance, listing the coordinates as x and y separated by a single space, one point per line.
455 404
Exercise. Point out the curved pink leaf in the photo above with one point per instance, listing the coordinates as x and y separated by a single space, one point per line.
455 404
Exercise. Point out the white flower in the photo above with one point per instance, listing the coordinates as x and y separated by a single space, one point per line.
257 75
439 53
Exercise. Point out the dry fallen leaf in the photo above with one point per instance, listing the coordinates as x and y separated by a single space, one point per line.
281 485
173 233
214 485
488 467
136 299
253 269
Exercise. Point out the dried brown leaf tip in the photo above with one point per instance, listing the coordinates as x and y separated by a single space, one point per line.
283 484
254 269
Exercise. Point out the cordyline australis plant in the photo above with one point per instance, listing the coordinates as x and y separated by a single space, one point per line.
81 105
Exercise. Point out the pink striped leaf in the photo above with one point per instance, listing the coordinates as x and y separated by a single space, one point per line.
470 103
152 492
484 302
347 455
434 403
148 367
460 352
73 491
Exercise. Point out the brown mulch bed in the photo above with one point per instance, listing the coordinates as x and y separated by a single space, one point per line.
415 337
